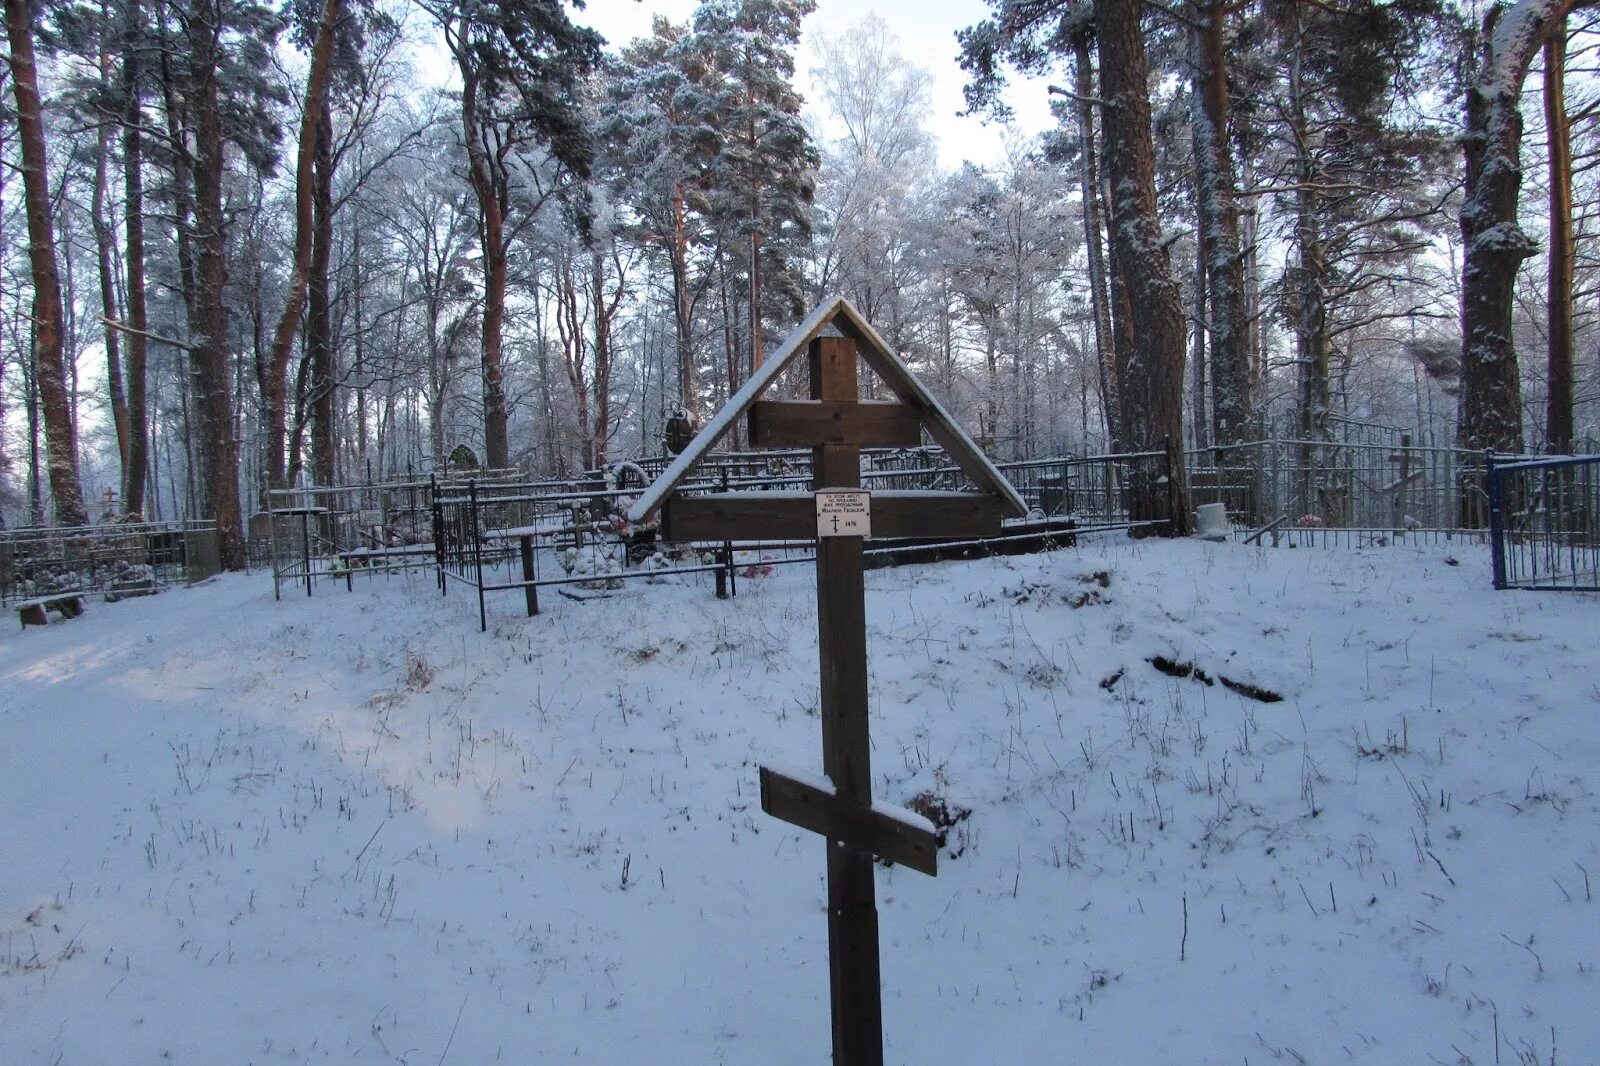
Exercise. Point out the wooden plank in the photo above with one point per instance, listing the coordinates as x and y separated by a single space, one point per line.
745 516
738 516
802 423
868 829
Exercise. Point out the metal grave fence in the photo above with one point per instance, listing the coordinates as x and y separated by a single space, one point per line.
120 560
1543 524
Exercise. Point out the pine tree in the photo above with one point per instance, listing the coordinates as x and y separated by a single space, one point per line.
662 134
1154 337
521 63
765 169
49 355
1495 245
214 60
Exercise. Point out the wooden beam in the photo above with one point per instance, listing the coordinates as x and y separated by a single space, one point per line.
855 984
896 515
803 423
738 516
888 833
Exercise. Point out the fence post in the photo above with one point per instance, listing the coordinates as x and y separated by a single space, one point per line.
305 547
1497 525
530 589
477 551
727 552
438 530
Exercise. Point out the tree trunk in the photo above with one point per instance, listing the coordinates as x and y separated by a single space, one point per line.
319 322
569 325
36 478
274 385
756 354
491 233
1495 246
360 365
60 431
1319 493
1219 230
105 253
683 314
1558 417
604 313
1155 334
1198 386
215 453
1099 298
137 471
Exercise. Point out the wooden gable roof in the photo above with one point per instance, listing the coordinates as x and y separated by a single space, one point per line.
841 315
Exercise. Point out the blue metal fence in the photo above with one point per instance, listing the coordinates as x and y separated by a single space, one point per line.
1544 522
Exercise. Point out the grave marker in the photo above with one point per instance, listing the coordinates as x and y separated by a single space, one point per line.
837 424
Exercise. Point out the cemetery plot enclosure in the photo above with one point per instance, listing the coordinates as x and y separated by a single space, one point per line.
117 560
505 534
1543 521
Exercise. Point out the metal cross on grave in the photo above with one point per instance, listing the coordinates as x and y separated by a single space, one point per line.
837 424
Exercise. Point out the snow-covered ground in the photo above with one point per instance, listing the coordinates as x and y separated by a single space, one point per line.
353 828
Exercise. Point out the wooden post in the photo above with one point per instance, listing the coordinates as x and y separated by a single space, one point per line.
305 548
532 592
855 984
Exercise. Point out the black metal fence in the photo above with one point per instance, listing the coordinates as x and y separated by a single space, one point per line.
536 535
1367 485
502 538
124 559
1543 522
501 533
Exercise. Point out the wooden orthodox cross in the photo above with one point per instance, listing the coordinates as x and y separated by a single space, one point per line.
837 424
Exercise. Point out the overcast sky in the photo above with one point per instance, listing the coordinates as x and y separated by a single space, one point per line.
926 31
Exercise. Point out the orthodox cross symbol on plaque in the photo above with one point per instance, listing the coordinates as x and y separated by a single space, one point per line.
837 424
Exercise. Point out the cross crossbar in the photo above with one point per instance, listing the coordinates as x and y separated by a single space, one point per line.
896 515
891 833
865 423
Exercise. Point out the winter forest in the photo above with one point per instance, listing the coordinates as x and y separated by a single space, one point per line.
247 246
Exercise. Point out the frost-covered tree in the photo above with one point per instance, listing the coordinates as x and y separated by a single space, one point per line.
877 102
764 173
1494 244
1154 334
1221 258
521 63
662 131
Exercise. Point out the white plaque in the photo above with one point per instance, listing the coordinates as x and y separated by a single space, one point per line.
844 513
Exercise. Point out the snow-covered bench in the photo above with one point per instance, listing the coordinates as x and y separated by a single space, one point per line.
35 612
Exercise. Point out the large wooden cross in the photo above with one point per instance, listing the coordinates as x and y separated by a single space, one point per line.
837 424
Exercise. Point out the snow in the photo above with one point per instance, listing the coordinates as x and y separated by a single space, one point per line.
352 828
902 815
1513 42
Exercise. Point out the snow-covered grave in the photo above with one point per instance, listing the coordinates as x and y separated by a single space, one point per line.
338 830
